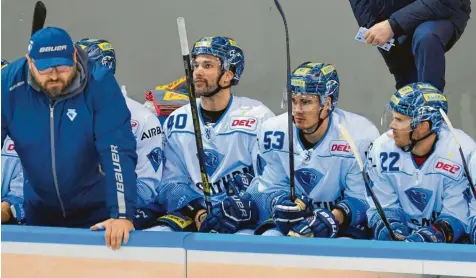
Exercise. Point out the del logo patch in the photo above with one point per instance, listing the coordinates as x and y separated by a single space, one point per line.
340 147
243 123
9 147
135 126
447 167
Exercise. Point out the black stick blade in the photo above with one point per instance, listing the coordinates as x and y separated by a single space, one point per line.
39 17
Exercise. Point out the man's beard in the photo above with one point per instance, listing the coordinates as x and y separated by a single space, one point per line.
56 91
207 90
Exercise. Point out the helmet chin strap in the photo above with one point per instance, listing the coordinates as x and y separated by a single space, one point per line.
219 87
318 125
409 147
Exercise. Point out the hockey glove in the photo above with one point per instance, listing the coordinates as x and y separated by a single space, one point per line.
427 234
321 223
146 217
381 232
177 222
287 213
230 215
239 184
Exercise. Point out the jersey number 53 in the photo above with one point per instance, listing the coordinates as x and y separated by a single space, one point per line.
273 140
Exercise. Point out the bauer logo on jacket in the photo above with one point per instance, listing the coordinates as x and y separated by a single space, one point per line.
243 123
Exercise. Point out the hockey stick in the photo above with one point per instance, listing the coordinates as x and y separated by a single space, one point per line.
193 105
465 165
292 187
354 149
39 17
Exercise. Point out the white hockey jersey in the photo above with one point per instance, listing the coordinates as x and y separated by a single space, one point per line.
229 148
12 174
420 195
150 155
326 173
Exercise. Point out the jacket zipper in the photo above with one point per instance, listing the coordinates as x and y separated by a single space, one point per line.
53 157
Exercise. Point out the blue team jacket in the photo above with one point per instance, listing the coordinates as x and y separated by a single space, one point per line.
78 152
408 14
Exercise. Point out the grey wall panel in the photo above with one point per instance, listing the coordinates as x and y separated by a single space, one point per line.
145 37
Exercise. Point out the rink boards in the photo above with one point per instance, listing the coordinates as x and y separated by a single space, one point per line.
59 252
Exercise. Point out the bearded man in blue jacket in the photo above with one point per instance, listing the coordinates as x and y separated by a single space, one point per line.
72 132
424 31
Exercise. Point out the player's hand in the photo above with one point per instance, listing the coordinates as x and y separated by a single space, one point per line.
287 213
322 223
6 212
233 213
379 34
381 232
427 234
116 230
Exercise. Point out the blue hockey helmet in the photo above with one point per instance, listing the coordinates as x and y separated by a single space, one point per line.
100 51
4 63
231 56
421 102
318 79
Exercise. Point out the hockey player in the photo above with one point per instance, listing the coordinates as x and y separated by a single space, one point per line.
416 170
12 181
229 124
147 131
330 188
472 204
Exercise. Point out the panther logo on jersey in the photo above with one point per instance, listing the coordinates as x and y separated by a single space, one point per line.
212 160
156 157
308 178
419 197
260 165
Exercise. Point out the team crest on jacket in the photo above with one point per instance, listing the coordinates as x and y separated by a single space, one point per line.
212 160
71 114
419 197
156 157
308 178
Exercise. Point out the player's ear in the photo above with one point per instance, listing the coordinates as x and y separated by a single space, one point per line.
227 77
424 127
30 61
329 103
